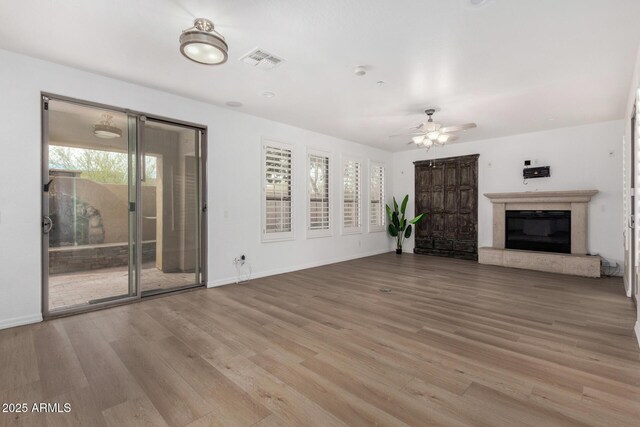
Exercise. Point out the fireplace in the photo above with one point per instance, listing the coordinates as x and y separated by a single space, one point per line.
540 230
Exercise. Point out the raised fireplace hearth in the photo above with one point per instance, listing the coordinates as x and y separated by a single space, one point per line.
546 231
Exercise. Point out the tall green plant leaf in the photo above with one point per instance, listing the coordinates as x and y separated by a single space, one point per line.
403 208
395 220
393 231
389 212
407 232
395 205
417 219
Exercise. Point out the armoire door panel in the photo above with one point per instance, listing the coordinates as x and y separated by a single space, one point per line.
437 224
443 244
451 226
438 201
465 246
423 201
451 201
466 175
451 175
437 176
447 192
467 199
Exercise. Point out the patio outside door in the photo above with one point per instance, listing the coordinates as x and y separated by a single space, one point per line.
88 188
114 181
170 223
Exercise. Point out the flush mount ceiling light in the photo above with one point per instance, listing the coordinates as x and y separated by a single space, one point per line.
105 128
360 71
202 44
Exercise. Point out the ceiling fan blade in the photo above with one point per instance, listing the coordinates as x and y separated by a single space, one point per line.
406 134
412 128
457 128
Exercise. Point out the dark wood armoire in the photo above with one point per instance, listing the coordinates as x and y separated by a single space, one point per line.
447 191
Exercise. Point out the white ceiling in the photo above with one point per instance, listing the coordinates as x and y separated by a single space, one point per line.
511 66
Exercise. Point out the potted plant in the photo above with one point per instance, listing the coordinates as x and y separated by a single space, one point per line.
399 226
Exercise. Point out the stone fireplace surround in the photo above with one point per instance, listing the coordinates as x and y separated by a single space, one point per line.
577 263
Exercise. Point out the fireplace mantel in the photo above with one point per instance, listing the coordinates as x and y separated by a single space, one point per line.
576 201
578 196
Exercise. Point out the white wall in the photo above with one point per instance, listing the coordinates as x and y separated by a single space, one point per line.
234 186
580 159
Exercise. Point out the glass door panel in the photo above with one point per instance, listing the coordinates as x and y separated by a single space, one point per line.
169 202
86 205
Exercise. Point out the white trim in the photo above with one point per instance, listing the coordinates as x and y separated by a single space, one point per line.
282 236
232 280
19 321
314 234
637 330
351 230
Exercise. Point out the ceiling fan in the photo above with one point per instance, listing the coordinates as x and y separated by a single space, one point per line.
432 133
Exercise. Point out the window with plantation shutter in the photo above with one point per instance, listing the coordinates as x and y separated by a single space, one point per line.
351 196
277 211
319 208
376 197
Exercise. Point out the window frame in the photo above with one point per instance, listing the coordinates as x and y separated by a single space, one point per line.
358 229
312 234
376 228
282 235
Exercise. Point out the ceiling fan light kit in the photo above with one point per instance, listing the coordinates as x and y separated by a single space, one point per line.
432 133
203 44
443 138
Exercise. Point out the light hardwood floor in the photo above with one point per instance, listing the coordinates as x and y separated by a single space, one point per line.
454 343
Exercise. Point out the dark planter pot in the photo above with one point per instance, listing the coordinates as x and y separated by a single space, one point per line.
399 251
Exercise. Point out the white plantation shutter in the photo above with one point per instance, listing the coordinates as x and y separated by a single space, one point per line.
636 212
277 200
636 190
351 196
319 217
376 197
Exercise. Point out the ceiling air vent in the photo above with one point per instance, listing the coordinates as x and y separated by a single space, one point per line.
262 59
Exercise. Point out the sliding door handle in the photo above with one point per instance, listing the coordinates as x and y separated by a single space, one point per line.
47 224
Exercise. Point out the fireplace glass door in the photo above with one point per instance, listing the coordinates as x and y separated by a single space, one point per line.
545 231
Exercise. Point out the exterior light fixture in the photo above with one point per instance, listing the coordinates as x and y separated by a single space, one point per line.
105 128
202 44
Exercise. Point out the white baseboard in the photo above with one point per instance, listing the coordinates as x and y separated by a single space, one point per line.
221 282
637 329
232 280
19 321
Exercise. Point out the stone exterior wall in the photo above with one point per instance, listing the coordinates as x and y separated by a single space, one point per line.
71 259
102 207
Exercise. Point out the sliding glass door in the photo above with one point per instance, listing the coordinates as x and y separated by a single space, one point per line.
88 171
122 206
170 223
